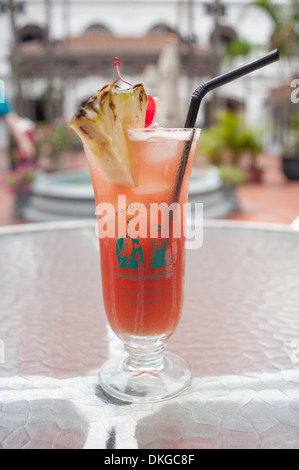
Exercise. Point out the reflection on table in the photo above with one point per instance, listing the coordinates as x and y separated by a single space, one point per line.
239 330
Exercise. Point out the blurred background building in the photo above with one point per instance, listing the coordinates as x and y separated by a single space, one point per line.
56 52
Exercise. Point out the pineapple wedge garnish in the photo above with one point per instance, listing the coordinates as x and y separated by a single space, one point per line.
101 123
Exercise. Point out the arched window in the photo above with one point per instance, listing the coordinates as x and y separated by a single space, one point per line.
32 32
97 29
161 28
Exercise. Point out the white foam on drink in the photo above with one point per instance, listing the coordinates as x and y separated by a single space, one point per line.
159 135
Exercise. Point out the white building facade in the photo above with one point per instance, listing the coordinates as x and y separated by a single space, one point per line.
127 18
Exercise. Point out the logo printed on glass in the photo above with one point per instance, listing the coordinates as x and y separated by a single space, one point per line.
152 258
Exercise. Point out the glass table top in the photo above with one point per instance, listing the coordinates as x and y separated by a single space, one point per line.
239 330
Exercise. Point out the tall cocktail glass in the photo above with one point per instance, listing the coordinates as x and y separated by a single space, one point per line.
142 251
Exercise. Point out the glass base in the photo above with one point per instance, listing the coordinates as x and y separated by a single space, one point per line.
119 379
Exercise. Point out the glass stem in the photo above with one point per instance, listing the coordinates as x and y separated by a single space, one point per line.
145 359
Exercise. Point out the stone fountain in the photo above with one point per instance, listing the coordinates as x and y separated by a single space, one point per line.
68 195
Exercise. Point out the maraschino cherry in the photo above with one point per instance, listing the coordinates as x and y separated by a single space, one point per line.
151 104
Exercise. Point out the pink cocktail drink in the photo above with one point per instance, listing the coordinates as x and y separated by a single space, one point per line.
143 275
140 178
143 265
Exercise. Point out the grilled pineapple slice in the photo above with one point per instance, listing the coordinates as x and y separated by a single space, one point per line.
101 124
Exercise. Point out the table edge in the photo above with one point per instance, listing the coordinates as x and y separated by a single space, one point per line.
91 223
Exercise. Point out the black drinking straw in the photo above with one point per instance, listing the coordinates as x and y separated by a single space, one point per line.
201 92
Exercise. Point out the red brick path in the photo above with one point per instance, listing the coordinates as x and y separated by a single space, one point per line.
276 200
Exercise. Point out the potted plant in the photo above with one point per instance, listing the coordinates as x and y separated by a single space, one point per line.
52 142
231 176
231 142
290 156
